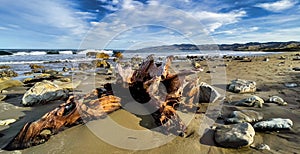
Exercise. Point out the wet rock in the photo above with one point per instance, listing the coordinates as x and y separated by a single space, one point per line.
8 73
207 93
101 64
253 101
235 135
276 99
7 122
118 55
242 86
8 83
102 55
36 66
43 92
4 67
274 124
244 116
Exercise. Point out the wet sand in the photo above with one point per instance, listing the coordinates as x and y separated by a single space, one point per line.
270 77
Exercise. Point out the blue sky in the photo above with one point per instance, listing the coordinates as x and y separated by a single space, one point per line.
130 24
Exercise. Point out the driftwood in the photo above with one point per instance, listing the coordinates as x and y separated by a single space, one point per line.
70 113
144 85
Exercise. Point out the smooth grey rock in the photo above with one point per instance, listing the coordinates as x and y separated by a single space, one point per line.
242 86
234 136
244 116
278 100
43 92
207 93
274 124
253 101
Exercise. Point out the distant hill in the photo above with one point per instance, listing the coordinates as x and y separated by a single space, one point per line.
252 46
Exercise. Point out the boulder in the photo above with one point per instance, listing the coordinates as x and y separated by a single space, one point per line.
8 73
253 101
8 83
276 99
242 86
235 135
274 124
43 92
244 116
207 93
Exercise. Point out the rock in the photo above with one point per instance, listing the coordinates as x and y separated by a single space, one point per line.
234 136
102 55
291 85
262 147
101 64
242 86
85 66
8 73
207 93
276 99
296 68
51 72
10 83
253 101
266 59
2 97
4 67
65 80
70 86
7 122
36 66
65 69
244 116
274 124
43 92
196 64
118 55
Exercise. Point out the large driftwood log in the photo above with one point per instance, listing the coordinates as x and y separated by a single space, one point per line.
144 86
68 114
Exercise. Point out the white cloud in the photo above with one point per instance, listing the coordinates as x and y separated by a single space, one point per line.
214 20
277 6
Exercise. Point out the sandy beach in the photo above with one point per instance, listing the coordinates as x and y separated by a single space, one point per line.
272 76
